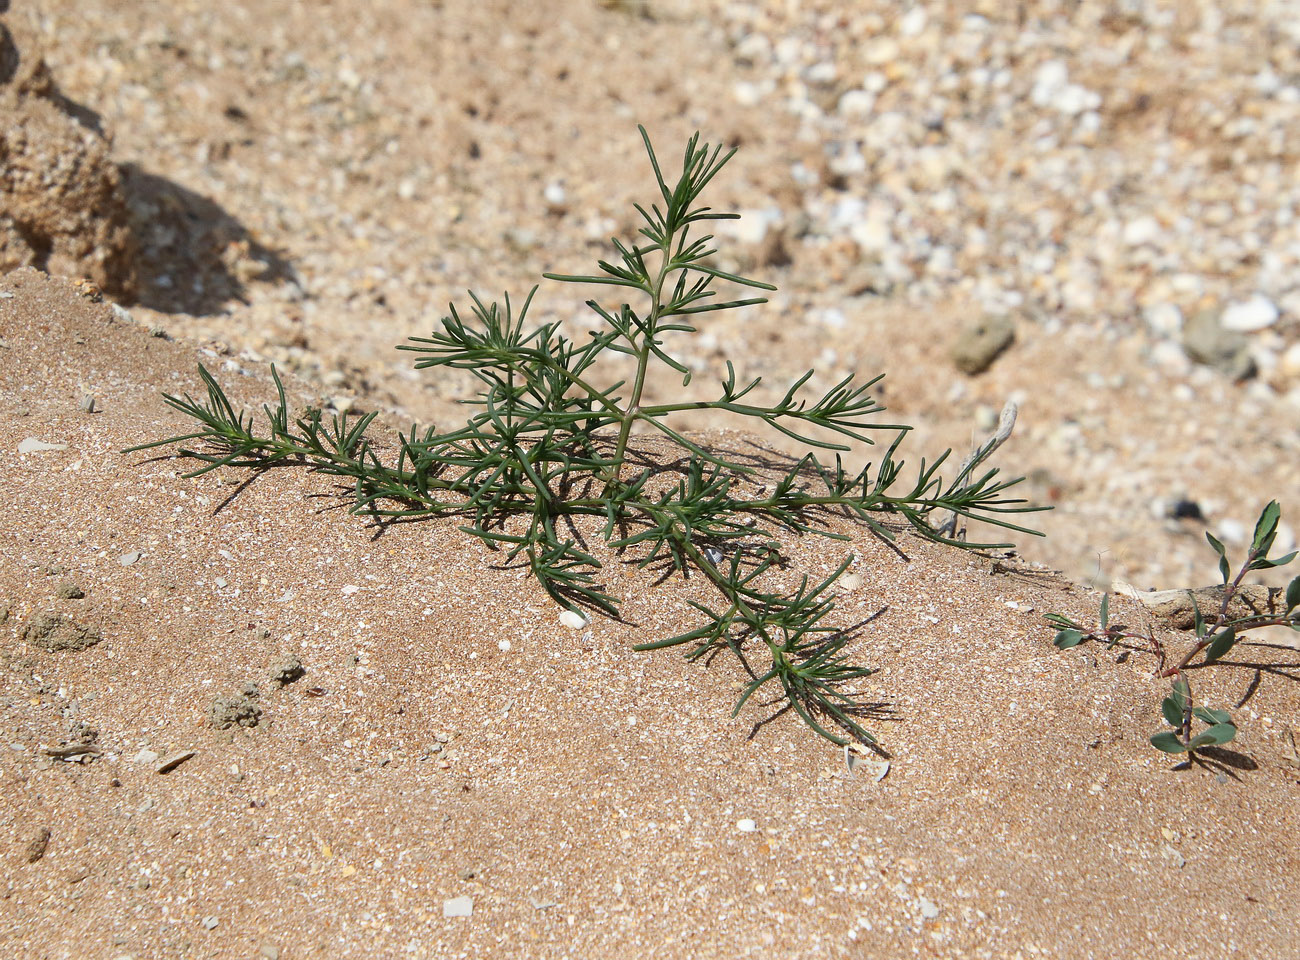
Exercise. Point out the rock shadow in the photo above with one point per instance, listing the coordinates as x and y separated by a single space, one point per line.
194 257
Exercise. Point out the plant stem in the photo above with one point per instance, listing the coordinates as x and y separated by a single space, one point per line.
629 415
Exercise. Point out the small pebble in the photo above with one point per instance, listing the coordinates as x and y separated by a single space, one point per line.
458 907
37 845
210 923
173 760
746 825
573 619
982 342
34 445
1250 315
127 559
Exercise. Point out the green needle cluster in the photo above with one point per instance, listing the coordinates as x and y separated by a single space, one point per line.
548 443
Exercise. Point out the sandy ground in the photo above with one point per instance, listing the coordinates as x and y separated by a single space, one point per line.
313 184
451 738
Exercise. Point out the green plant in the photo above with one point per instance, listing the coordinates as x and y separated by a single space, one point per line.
1215 638
552 442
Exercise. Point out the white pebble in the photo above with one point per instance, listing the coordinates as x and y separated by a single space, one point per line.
504 646
746 825
1248 315
458 907
32 445
912 23
856 103
1232 531
1140 231
747 94
1164 319
1170 357
573 619
554 194
1289 363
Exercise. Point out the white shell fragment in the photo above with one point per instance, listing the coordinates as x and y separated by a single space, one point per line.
573 619
458 907
33 445
850 581
876 769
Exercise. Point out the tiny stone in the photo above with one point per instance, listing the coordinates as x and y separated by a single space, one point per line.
269 952
1249 315
573 619
1173 857
746 825
1208 341
981 343
36 846
88 404
210 923
127 559
458 907
1164 319
929 910
145 756
173 760
34 445
1232 531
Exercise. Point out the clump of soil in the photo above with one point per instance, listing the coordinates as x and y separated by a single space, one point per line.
55 631
65 208
236 709
286 670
